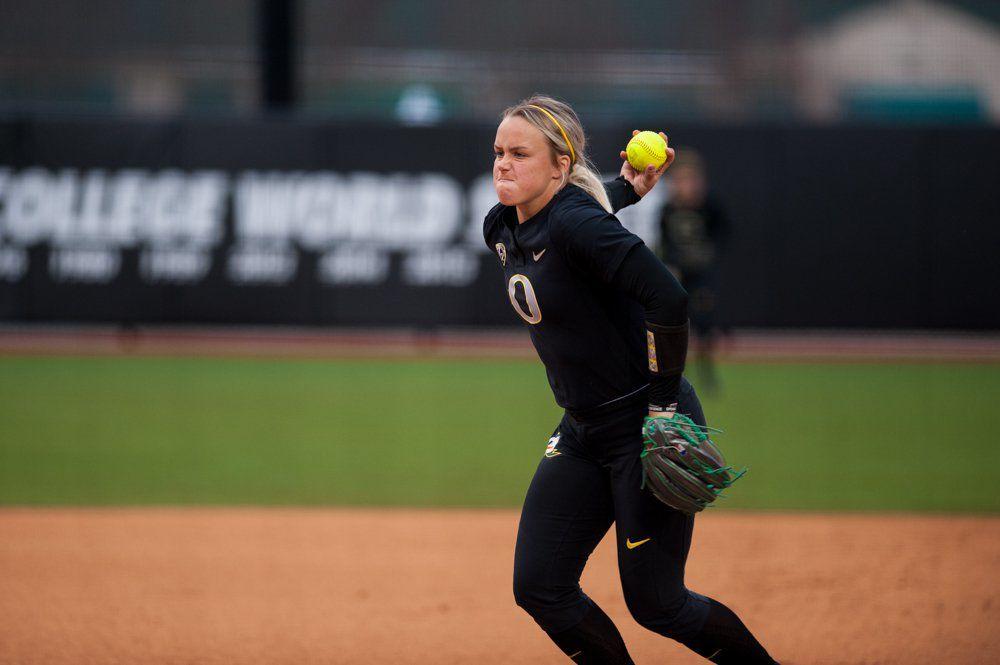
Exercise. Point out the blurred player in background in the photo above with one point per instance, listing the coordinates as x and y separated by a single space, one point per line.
693 232
598 304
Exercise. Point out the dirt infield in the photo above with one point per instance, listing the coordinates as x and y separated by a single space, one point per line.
408 586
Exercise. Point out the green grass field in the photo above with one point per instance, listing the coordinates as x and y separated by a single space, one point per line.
97 431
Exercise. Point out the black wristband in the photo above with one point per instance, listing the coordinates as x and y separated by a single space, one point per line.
630 193
662 395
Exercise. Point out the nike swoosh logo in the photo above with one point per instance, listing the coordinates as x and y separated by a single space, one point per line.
576 654
538 255
629 544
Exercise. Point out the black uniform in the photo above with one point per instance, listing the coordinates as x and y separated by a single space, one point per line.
566 270
691 240
559 267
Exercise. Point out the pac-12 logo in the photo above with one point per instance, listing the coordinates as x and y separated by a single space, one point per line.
502 253
550 450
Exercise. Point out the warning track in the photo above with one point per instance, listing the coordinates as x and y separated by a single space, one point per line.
742 346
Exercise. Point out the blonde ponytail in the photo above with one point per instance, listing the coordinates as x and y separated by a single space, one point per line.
561 126
585 177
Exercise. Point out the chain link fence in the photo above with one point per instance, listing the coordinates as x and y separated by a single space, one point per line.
425 62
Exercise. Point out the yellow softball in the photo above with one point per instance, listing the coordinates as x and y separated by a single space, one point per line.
645 149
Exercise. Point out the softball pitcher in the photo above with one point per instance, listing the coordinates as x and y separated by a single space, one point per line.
609 322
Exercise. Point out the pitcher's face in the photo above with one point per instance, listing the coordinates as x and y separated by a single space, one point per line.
523 168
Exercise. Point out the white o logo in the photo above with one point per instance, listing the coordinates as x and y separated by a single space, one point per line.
534 313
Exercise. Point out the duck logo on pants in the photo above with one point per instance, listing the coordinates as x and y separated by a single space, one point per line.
550 450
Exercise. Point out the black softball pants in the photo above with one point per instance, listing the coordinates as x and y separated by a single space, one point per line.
590 478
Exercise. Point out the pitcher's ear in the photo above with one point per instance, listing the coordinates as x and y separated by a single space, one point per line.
565 166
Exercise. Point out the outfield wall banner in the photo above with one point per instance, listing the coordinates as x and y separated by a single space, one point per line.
290 222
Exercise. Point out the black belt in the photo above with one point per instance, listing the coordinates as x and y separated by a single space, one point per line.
610 407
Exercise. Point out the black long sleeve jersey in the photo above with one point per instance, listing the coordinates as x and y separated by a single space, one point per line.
567 270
